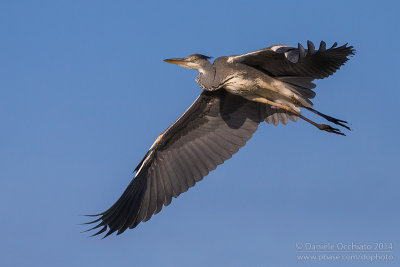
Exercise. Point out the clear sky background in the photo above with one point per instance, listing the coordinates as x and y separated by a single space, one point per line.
84 92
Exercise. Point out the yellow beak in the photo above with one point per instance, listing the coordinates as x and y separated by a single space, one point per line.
178 61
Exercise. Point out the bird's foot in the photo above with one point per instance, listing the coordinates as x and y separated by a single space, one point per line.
331 119
337 121
327 128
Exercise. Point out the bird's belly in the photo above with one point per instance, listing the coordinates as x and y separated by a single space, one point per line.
246 87
240 85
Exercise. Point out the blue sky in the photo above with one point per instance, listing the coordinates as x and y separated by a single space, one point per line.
84 92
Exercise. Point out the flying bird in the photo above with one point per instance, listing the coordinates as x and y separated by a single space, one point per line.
238 93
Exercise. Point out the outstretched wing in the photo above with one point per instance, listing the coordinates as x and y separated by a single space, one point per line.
296 66
283 60
208 133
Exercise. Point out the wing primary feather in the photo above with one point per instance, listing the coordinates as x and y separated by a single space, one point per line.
167 181
99 232
153 195
302 52
173 176
142 213
322 47
135 194
190 172
311 47
185 173
160 186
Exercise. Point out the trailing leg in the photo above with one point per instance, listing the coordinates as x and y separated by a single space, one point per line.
322 127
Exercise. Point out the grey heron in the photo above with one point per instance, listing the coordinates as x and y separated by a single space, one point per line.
239 92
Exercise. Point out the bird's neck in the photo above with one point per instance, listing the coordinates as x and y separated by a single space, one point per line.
206 77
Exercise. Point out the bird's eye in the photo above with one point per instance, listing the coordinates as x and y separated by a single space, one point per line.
193 59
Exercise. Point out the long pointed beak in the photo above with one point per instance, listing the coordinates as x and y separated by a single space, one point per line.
178 61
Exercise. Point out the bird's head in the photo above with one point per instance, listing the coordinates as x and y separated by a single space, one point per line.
195 61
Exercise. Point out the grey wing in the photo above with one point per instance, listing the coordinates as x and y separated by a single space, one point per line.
283 60
208 133
296 66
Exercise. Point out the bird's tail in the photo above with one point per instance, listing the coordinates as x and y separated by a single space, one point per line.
298 92
301 87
